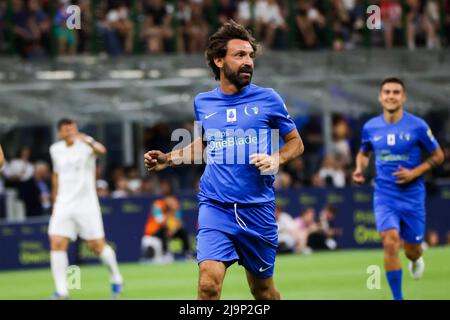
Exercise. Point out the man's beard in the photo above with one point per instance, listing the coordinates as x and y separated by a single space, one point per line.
235 79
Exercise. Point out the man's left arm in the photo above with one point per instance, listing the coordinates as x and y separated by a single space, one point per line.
292 148
98 148
435 159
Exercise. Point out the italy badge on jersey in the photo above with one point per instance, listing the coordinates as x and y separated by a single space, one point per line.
231 115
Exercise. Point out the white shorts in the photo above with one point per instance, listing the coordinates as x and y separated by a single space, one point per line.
71 222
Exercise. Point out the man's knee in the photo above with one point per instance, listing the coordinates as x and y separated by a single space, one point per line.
263 289
391 243
58 243
96 246
265 293
209 288
210 282
413 252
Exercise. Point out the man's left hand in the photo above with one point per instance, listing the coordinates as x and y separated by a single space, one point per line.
404 175
267 164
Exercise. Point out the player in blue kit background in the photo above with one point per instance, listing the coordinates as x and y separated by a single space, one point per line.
240 123
398 139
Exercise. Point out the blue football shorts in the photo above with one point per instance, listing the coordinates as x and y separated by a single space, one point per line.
408 219
237 232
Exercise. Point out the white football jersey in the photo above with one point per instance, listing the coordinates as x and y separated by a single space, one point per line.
75 167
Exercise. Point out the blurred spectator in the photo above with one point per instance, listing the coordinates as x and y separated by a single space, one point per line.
108 36
305 225
183 16
296 169
391 16
26 30
36 193
85 33
324 236
156 29
148 186
102 188
198 28
192 30
227 10
340 25
20 168
331 173
422 16
282 181
3 45
310 24
432 238
119 21
42 22
165 222
341 145
121 188
271 27
447 21
244 14
134 180
165 187
66 38
286 231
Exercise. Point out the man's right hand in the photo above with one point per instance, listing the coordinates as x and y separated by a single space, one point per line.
156 160
358 177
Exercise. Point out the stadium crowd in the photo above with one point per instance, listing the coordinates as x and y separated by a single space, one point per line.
37 28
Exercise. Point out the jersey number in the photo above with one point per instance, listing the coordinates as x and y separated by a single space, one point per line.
391 139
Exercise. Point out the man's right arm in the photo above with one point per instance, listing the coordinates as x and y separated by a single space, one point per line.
54 187
2 157
158 160
362 162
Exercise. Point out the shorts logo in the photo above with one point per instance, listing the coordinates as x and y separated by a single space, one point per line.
391 139
231 115
264 269
418 238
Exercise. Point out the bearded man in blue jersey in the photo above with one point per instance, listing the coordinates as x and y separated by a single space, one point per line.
398 139
241 123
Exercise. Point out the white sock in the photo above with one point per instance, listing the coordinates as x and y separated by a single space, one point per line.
59 263
108 257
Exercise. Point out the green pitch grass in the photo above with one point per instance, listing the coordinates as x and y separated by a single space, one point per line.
327 275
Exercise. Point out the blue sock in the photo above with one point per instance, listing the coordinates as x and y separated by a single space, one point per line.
395 282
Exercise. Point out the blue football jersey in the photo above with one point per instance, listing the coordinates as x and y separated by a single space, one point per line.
398 144
234 127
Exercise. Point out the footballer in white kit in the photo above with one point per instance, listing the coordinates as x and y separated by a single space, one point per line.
76 209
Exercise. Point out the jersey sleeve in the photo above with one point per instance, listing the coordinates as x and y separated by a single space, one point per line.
426 138
280 118
199 128
197 118
366 145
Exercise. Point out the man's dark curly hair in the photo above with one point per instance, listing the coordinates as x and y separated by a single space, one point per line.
217 46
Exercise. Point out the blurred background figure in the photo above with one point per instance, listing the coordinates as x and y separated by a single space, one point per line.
324 237
156 29
286 231
119 21
306 224
165 222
